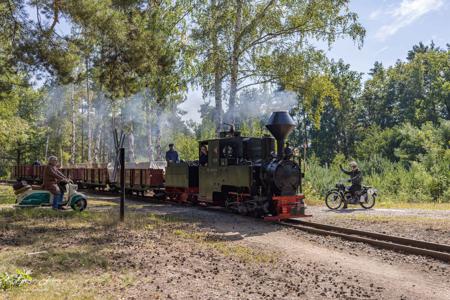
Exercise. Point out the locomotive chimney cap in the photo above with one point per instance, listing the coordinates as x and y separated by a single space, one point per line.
280 125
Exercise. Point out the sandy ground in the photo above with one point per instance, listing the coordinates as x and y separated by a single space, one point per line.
203 254
364 271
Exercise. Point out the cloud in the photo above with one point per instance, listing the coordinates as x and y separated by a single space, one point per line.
378 52
375 14
406 13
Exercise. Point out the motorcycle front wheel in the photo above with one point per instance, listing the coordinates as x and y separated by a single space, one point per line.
369 202
333 199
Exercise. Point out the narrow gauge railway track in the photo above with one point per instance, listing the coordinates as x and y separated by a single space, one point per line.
418 247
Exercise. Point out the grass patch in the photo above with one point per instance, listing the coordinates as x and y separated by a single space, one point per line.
93 202
391 219
317 201
409 205
82 286
63 260
18 279
228 249
7 195
73 255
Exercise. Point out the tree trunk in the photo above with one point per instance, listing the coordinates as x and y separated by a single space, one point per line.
89 122
158 133
46 144
73 121
82 132
148 126
235 61
217 73
131 145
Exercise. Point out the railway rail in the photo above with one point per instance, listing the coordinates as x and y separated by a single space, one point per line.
417 247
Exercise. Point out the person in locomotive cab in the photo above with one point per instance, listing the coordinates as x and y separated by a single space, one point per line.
203 161
355 178
172 155
288 153
51 178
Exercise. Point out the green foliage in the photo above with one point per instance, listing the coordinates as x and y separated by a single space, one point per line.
415 91
420 182
317 91
187 147
252 127
20 278
262 39
7 195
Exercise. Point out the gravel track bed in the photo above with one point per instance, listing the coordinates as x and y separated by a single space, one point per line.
427 225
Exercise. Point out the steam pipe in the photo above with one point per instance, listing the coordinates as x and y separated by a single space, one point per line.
280 148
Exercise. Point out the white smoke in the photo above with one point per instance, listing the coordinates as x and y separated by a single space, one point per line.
258 103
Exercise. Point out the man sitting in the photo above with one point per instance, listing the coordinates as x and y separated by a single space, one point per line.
355 178
52 176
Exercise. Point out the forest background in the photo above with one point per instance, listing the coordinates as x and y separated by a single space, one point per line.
128 64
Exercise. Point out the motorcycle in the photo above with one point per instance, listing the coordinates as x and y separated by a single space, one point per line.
335 198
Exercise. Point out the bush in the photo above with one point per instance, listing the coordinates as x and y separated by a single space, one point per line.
8 281
419 182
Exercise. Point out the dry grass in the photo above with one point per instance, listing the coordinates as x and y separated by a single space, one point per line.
314 201
395 219
67 252
91 255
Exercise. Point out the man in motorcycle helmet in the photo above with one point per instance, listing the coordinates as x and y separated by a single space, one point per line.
355 178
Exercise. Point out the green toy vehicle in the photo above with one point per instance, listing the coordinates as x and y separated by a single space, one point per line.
27 197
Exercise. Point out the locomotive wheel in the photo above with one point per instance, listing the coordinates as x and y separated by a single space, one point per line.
333 200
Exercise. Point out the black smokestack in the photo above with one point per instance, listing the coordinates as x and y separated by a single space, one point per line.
280 126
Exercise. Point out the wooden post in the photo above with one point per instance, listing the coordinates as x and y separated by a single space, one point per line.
122 183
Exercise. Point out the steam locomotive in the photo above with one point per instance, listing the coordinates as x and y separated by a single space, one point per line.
243 174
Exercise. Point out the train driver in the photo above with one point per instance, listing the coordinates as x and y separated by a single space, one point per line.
52 176
288 153
203 161
172 155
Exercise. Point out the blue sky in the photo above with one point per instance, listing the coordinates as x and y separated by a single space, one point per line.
393 27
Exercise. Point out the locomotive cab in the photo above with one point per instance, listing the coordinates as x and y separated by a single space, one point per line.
232 169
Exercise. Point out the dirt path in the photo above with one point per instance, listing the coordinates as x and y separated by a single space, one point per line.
396 281
165 251
334 265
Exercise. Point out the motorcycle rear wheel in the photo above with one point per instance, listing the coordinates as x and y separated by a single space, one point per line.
369 203
333 200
